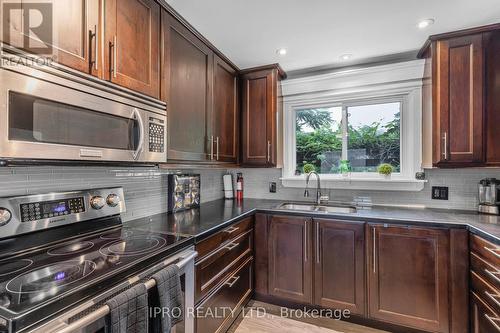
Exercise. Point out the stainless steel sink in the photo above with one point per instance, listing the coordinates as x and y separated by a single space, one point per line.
318 208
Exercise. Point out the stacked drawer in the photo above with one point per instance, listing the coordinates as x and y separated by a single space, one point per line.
224 276
485 284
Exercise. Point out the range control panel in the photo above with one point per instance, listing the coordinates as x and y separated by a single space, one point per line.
45 209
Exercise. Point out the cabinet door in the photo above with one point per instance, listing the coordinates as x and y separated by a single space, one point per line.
408 276
339 265
458 101
75 30
259 118
290 259
187 89
225 111
132 47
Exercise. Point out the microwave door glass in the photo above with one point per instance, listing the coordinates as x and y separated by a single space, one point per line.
38 120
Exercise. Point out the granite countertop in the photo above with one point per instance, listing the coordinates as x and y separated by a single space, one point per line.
215 215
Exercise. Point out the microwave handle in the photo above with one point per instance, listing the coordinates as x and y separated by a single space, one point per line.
138 151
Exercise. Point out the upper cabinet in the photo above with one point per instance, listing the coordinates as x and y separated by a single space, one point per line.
462 110
132 37
187 88
260 90
75 33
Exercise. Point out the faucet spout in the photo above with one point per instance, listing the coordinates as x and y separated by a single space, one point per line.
319 197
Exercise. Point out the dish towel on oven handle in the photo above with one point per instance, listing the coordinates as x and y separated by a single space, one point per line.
168 285
129 311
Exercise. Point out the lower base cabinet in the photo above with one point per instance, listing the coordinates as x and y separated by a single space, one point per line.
213 314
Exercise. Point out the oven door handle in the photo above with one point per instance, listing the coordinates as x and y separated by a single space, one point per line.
104 310
137 115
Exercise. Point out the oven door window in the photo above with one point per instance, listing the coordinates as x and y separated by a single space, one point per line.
33 119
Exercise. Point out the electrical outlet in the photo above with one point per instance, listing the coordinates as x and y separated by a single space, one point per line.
440 193
272 187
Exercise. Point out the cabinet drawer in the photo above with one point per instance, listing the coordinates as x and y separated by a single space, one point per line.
213 314
212 269
488 293
487 272
484 319
213 242
486 250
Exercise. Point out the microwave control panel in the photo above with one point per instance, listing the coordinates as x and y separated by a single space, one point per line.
156 135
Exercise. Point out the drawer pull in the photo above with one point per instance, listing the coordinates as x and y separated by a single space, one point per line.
493 274
230 230
493 297
493 321
492 251
231 246
230 283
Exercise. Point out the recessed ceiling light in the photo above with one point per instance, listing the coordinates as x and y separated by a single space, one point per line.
425 23
281 51
345 57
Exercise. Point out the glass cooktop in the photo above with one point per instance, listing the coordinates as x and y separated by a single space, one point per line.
31 280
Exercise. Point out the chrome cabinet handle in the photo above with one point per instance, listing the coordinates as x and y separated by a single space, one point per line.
268 151
492 297
212 148
493 274
93 49
217 148
493 251
231 246
493 321
230 230
318 260
230 283
445 141
374 250
113 46
137 152
305 240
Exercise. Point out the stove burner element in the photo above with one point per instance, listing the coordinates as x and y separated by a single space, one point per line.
133 246
72 248
13 266
116 235
51 278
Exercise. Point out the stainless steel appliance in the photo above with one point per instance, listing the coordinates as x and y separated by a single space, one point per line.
58 279
489 196
183 192
48 117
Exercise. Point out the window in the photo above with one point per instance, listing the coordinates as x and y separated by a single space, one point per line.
361 136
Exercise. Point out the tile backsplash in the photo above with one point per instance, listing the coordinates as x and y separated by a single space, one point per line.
145 188
462 185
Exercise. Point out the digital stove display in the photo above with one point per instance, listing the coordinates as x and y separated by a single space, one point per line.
47 209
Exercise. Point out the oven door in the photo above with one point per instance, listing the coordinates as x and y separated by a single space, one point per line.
43 120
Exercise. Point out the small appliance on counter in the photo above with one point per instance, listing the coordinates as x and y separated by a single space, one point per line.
489 196
228 186
183 192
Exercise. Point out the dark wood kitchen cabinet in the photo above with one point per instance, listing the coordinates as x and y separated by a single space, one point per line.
132 39
187 87
339 265
75 29
225 112
409 276
260 90
290 258
461 103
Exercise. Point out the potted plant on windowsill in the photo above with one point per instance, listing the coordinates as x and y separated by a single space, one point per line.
385 169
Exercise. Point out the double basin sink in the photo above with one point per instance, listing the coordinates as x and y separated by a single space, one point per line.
305 207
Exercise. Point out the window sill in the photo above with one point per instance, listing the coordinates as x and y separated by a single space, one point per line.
372 184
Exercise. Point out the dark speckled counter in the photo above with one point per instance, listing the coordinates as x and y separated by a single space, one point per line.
215 215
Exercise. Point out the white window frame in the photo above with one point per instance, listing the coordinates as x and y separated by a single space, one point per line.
396 83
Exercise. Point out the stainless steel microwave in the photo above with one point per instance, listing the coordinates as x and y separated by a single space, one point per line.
46 117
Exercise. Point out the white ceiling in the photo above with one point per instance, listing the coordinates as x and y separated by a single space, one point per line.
317 32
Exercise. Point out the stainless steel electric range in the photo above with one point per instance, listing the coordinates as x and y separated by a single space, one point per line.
62 255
